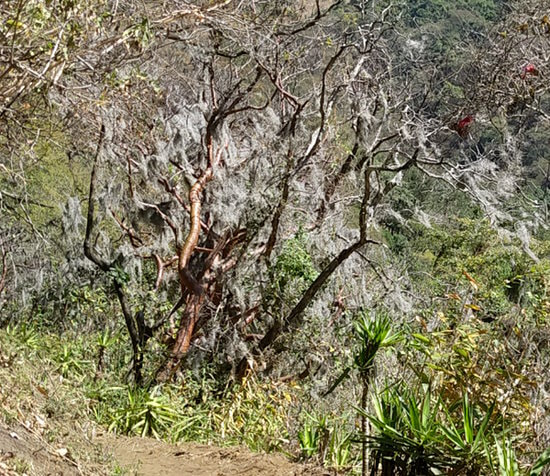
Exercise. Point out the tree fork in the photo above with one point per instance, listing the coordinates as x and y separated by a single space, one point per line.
187 281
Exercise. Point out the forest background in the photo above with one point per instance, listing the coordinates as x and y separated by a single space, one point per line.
319 227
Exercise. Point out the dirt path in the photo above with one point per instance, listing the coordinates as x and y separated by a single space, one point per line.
23 453
147 457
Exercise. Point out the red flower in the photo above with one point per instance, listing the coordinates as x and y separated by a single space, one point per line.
463 125
530 69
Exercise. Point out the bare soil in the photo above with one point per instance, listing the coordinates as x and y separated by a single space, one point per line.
147 457
24 453
45 432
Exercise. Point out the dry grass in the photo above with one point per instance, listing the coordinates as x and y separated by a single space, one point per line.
43 417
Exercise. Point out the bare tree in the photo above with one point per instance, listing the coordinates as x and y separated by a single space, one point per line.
225 128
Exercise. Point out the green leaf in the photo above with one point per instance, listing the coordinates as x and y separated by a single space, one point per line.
462 352
467 418
481 432
542 461
426 413
453 435
421 338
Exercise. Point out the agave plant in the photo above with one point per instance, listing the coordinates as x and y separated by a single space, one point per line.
468 442
339 448
417 434
26 335
407 440
372 332
327 438
309 436
104 340
70 362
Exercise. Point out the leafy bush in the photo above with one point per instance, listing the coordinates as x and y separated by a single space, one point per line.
292 272
327 439
145 413
417 433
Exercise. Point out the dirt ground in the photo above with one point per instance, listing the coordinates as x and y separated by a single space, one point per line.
45 431
147 457
23 453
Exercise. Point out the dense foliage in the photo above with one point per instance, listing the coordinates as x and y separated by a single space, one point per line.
324 222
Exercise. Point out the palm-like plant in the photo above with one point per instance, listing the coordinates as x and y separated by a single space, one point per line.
70 362
416 434
310 435
407 439
104 340
145 413
468 442
373 333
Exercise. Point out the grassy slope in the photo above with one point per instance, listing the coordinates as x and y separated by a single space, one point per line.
44 418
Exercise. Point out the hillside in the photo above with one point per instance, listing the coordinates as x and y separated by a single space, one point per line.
318 228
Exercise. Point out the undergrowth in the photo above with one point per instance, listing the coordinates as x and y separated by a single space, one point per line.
465 406
41 393
77 379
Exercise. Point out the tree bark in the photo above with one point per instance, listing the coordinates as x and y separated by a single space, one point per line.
106 266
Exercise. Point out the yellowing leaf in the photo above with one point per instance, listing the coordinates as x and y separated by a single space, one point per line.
473 282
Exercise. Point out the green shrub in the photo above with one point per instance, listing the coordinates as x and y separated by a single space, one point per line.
145 413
